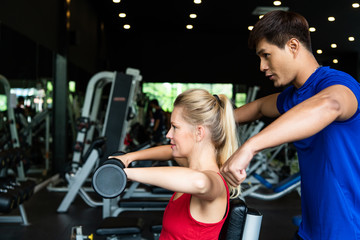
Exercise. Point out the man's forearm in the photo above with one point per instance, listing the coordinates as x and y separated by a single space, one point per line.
302 121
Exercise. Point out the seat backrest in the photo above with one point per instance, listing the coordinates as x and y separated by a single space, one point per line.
233 227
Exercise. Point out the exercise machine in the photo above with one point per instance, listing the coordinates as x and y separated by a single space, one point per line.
242 223
119 112
109 181
14 141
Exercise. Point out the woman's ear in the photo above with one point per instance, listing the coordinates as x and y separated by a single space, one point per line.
200 133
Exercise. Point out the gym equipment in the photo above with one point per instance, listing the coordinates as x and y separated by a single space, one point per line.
14 142
121 228
243 223
76 234
262 175
109 180
119 109
13 194
78 179
284 187
119 112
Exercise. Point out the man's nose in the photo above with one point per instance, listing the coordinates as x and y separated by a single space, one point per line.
263 66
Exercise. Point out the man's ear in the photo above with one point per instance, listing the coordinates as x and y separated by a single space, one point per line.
294 45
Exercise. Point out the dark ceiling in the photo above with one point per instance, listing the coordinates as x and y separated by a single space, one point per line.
216 49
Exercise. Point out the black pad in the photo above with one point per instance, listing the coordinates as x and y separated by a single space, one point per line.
233 227
144 203
109 180
119 226
156 229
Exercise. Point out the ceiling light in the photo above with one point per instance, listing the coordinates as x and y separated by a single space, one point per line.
250 27
261 16
333 45
355 5
122 15
193 15
116 1
335 61
277 3
197 1
189 26
312 29
351 39
319 51
126 26
331 19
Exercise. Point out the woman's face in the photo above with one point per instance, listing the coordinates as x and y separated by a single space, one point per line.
181 134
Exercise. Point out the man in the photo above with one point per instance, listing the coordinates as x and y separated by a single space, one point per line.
159 122
319 112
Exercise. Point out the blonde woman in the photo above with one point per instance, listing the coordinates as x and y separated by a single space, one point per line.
202 138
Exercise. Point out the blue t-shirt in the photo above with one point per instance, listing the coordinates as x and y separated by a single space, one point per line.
329 164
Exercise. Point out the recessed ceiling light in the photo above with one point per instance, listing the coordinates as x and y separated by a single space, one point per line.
126 26
319 51
355 5
331 19
116 1
250 27
193 15
189 26
277 3
122 15
335 61
333 45
351 39
197 1
312 29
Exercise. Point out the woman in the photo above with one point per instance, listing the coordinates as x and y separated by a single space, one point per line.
202 137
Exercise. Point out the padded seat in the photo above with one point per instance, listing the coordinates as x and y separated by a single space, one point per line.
120 227
233 227
144 203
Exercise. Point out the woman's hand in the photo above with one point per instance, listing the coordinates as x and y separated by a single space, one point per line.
126 159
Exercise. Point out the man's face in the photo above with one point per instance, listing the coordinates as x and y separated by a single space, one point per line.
277 64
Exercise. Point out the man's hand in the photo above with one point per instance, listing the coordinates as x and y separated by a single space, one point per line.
234 168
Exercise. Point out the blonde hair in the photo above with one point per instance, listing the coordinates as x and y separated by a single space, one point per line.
217 114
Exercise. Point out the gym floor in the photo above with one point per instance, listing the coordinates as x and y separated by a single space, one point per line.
46 223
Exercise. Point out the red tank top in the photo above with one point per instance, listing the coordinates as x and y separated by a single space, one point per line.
179 224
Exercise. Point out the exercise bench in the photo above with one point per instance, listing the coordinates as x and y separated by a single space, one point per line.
242 223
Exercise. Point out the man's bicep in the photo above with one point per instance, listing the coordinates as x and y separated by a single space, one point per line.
269 106
346 99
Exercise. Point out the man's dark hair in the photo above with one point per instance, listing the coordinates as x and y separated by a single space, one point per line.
278 27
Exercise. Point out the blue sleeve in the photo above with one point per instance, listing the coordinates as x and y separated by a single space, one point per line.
340 78
283 102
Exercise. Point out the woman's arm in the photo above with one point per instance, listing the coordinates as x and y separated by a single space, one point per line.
159 153
206 185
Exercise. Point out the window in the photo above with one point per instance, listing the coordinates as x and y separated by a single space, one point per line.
166 93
